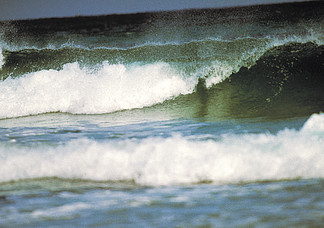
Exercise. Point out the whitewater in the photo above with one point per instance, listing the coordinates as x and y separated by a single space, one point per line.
78 91
289 154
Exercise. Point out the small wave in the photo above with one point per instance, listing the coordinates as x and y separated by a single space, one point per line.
81 91
289 154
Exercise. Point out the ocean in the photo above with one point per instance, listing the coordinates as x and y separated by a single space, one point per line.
192 118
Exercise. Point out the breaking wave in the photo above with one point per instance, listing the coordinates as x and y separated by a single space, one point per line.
81 91
289 154
285 74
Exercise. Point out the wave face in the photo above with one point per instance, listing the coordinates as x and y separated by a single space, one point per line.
219 63
288 75
289 154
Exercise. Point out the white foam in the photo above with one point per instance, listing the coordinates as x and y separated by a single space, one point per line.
175 160
62 211
219 71
81 91
1 59
315 124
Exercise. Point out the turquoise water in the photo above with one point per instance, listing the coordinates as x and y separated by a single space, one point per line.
200 118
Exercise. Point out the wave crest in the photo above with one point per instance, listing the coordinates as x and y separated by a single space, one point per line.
81 91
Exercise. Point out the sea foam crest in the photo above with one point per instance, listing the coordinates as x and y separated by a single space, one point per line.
315 124
220 70
81 91
233 158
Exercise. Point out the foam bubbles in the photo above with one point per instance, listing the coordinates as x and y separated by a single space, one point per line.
81 91
174 160
1 59
61 211
314 124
